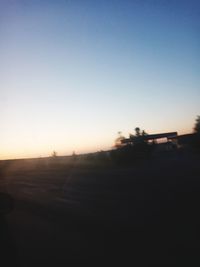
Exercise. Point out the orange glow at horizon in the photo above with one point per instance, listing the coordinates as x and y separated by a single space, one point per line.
23 149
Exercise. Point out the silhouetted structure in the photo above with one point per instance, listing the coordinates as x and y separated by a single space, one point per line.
189 141
169 137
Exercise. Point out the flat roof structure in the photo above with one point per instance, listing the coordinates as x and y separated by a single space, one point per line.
169 135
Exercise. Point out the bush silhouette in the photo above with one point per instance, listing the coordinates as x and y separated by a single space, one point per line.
196 142
131 150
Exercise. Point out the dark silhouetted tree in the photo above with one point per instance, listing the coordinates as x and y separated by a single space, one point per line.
54 154
197 126
119 140
137 131
138 137
74 156
144 133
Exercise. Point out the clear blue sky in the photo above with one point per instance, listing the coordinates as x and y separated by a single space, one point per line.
74 73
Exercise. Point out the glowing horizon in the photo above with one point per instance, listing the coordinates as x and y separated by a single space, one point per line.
74 73
30 152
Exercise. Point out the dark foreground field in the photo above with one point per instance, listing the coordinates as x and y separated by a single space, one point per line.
145 214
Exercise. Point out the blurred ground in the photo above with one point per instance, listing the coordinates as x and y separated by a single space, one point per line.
144 214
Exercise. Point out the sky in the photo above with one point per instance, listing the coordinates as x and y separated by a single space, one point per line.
75 73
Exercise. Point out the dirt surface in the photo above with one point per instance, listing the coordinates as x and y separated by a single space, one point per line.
144 214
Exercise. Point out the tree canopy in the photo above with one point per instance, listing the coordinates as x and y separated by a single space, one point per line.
197 125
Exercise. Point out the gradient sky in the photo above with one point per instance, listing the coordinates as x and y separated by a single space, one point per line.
74 73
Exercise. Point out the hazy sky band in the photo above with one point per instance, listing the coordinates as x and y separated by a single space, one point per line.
74 73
